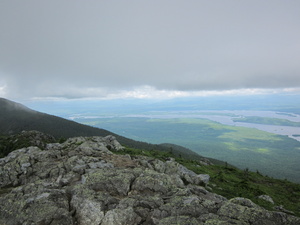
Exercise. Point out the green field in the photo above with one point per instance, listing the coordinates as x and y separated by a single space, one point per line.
270 154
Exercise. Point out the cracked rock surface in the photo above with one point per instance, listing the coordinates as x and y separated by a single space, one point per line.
81 181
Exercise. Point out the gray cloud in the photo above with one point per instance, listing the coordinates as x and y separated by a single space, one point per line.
73 48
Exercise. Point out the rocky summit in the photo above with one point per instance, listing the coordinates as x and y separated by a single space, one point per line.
82 181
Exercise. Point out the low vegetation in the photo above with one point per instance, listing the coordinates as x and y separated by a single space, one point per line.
7 145
231 182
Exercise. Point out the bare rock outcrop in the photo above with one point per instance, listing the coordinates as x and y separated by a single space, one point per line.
82 181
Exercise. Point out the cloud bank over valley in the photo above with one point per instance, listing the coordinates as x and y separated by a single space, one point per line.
112 49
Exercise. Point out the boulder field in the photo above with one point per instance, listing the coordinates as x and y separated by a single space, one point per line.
82 181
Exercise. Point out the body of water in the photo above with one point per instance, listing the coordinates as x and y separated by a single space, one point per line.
222 116
226 117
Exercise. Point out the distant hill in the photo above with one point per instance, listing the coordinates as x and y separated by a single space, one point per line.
15 118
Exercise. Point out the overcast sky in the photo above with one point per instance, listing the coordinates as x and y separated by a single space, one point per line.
116 48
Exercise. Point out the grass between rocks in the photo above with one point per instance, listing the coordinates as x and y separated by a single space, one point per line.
231 182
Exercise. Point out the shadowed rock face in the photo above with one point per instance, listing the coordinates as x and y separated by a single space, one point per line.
82 182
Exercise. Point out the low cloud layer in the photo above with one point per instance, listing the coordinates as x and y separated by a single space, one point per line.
75 49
